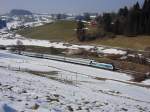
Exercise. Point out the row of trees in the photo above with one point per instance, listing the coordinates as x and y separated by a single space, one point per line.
133 21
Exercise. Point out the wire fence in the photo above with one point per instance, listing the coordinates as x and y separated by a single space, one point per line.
63 75
66 76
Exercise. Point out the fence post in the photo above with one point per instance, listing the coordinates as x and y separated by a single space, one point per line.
71 79
8 67
66 78
61 77
76 78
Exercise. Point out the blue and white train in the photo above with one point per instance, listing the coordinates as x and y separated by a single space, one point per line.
102 65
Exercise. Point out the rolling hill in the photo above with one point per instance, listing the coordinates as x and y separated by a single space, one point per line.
64 31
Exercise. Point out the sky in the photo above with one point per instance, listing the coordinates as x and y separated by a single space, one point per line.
65 6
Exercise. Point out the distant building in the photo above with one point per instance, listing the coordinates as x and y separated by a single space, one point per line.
86 16
59 16
93 15
79 17
2 24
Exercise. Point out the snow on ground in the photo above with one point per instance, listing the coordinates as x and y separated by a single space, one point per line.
35 24
14 60
8 39
147 82
42 43
114 51
36 21
65 91
13 24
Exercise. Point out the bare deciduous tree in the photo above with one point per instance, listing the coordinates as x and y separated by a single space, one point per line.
20 47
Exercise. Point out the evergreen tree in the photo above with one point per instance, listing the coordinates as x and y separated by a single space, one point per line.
107 20
123 12
116 28
132 21
122 20
146 16
80 31
87 16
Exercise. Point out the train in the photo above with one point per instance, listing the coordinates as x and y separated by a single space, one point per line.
80 61
108 66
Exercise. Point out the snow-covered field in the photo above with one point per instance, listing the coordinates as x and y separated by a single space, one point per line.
40 85
10 39
15 22
146 82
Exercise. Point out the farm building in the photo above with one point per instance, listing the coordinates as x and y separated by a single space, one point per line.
2 24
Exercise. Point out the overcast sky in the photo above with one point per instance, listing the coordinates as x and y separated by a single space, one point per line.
68 6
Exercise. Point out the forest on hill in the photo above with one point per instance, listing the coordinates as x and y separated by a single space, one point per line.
131 22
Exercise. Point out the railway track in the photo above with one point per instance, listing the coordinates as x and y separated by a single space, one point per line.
79 61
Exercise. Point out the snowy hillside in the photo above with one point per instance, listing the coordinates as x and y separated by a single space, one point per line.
25 21
7 38
40 85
